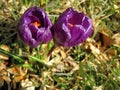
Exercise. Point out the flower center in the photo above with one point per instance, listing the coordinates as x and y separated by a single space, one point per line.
70 24
37 24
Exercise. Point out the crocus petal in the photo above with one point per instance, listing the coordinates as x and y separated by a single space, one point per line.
76 18
76 33
25 33
33 30
34 27
45 37
62 36
71 28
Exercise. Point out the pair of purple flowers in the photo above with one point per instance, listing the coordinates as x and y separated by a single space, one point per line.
70 29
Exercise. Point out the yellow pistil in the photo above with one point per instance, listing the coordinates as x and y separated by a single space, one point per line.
38 24
71 25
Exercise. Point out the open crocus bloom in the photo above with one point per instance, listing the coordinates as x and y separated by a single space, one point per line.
34 27
72 28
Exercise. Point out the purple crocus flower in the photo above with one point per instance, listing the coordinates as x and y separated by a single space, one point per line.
72 28
34 27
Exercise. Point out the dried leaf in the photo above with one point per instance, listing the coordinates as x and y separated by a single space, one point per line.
14 70
2 66
104 39
116 39
3 56
18 73
54 61
27 85
63 54
112 52
7 79
97 53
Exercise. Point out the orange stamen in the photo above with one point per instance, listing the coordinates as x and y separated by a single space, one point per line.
38 24
71 25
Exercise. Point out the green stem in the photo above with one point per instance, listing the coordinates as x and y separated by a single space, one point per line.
38 60
12 55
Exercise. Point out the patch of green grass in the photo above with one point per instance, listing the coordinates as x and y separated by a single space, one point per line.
93 72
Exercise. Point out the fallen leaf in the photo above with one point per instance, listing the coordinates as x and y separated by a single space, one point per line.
7 79
19 74
2 66
112 52
27 85
116 39
104 39
3 56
